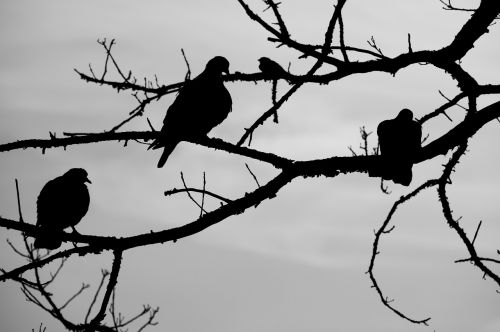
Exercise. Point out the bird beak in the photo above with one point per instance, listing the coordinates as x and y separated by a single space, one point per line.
87 180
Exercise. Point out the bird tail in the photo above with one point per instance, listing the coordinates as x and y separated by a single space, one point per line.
403 176
155 145
169 147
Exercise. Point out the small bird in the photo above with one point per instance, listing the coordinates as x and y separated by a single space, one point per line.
271 69
201 104
400 141
62 203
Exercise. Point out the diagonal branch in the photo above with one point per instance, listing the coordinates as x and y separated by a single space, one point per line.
274 6
113 278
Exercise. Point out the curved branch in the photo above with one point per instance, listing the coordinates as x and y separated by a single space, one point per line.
201 191
375 250
445 204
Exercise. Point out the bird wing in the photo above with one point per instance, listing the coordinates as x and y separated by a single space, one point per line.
177 114
416 136
47 203
202 104
385 137
62 204
271 68
219 105
77 203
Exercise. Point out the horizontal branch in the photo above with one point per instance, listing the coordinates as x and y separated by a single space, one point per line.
201 191
125 85
327 167
88 138
78 139
485 259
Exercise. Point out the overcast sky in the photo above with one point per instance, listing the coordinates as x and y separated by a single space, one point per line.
297 262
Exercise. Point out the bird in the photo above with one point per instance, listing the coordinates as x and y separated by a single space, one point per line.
62 203
399 141
201 104
271 69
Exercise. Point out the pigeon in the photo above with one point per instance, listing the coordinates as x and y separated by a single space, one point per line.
201 104
62 203
399 140
271 69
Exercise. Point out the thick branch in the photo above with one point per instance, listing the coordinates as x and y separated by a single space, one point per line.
235 207
474 28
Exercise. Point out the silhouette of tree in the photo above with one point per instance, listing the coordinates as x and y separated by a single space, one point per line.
350 60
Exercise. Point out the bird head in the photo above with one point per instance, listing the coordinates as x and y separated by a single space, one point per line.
405 115
78 175
218 65
263 61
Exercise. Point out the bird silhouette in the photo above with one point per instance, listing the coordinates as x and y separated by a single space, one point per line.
201 104
271 69
400 141
62 203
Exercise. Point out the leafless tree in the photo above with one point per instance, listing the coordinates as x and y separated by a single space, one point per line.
340 60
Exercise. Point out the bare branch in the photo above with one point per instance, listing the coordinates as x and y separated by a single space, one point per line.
191 197
376 251
19 204
477 231
188 73
113 277
82 288
274 6
105 274
253 175
447 213
201 191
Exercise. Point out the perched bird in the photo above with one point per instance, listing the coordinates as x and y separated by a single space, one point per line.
271 69
399 140
62 203
201 104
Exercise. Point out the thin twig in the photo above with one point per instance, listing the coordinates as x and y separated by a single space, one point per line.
253 175
105 274
376 251
189 194
203 195
477 231
19 203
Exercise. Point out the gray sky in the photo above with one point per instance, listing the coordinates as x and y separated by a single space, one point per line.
296 262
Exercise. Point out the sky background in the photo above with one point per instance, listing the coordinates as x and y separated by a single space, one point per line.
295 263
